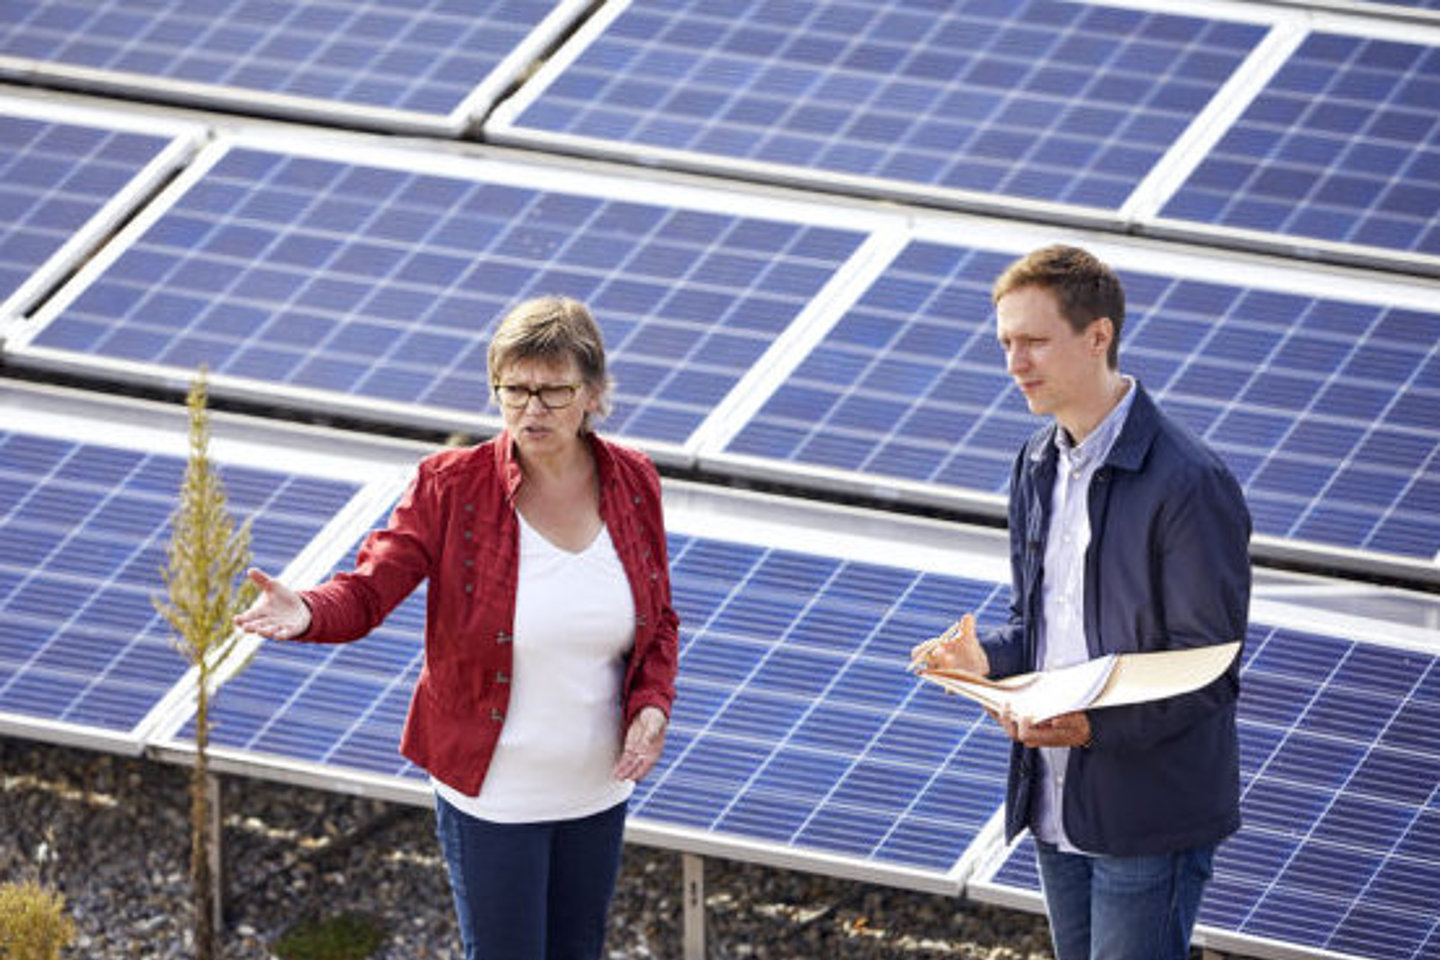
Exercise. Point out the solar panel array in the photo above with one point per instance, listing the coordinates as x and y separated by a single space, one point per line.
797 731
814 337
379 282
375 285
1070 103
1087 110
1325 408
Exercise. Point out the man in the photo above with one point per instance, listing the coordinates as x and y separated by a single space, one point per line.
1126 534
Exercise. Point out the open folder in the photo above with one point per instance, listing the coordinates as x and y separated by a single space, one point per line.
1107 681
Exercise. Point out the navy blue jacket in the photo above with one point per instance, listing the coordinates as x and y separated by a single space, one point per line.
1167 567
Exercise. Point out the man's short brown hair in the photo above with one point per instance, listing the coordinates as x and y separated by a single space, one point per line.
1085 288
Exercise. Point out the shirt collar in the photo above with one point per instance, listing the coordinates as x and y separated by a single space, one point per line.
1096 446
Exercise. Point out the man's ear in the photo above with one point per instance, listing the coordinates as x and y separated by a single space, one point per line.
1101 333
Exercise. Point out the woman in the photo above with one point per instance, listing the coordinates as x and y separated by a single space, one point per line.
550 640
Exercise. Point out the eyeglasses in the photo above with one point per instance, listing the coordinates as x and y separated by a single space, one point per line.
553 396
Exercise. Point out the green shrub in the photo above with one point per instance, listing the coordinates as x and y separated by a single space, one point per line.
345 937
33 924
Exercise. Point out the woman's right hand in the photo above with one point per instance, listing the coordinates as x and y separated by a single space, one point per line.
278 612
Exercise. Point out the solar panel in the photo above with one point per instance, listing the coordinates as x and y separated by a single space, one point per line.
1053 102
426 65
1323 404
796 723
1342 145
1338 851
84 523
374 285
66 177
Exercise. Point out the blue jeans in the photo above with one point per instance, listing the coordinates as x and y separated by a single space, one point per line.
531 891
1122 908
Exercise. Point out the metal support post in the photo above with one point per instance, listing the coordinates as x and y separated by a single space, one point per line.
693 866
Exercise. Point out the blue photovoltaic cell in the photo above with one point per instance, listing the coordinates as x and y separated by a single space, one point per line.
1324 409
1340 844
385 284
1049 101
796 722
83 532
423 56
1343 144
54 177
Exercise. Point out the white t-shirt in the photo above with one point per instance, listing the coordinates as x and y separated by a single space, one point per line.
574 625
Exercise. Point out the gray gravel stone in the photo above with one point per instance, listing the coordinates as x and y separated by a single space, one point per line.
112 834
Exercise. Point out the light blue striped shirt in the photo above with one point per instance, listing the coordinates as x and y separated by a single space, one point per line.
1062 627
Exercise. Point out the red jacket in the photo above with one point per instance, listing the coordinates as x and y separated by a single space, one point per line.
457 525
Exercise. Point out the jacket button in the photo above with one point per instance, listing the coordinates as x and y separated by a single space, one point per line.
502 638
466 534
496 715
469 508
469 588
501 676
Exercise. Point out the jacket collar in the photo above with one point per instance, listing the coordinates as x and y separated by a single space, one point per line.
1141 425
1130 447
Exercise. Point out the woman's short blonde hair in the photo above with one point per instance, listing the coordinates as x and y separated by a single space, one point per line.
553 328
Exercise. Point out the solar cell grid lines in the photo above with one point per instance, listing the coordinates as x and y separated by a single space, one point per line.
1343 145
420 65
84 527
380 283
1064 103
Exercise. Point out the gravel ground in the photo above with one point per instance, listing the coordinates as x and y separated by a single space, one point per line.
111 834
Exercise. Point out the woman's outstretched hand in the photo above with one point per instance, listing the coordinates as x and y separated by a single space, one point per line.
278 612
